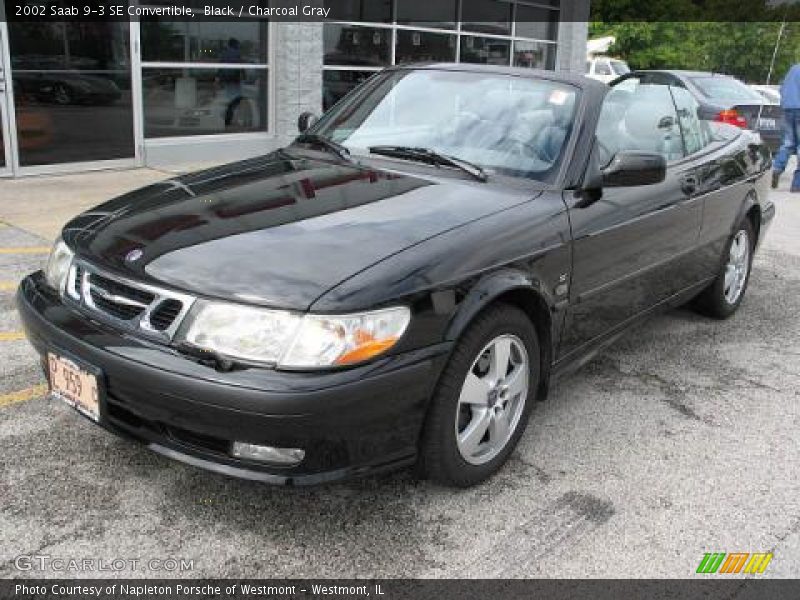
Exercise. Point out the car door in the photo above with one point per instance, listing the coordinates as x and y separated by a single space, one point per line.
630 245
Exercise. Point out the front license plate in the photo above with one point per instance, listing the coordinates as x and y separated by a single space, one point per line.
767 124
74 385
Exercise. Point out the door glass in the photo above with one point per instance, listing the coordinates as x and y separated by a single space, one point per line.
696 133
639 117
72 91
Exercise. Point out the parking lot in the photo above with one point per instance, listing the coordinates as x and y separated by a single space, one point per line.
682 439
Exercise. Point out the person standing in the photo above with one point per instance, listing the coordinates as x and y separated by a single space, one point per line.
790 103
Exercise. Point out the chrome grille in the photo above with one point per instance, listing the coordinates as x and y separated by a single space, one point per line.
131 305
165 314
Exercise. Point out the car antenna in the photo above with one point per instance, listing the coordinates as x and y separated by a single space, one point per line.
772 62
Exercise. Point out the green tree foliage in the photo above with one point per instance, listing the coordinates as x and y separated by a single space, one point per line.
688 34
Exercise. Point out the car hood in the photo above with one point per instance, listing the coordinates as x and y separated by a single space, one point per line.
278 231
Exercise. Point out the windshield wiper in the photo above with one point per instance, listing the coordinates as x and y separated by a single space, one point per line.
431 157
326 143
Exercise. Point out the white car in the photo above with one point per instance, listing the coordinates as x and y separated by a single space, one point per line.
605 69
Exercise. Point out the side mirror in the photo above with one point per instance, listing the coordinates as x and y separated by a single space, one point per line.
635 168
305 120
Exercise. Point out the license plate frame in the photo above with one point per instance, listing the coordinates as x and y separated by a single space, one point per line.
82 389
767 124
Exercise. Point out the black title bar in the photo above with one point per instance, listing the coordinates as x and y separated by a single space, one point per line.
435 11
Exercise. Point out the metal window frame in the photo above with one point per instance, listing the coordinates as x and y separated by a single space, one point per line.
7 114
18 170
459 32
267 131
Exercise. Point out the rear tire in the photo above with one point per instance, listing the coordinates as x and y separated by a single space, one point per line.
724 295
483 400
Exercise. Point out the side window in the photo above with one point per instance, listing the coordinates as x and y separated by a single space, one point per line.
696 133
601 67
639 117
588 66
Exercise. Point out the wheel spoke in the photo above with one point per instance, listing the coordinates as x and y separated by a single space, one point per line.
471 437
730 277
517 382
736 251
501 354
474 391
498 428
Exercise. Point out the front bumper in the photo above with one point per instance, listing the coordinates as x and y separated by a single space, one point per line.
349 422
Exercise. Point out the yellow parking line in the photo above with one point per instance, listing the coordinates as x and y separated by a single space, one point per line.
8 286
11 336
23 395
26 250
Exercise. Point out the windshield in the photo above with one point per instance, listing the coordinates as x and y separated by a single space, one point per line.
726 89
510 125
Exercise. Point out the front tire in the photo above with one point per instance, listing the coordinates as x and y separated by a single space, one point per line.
721 299
483 400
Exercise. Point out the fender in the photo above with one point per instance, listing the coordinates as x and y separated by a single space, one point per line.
490 287
748 202
546 313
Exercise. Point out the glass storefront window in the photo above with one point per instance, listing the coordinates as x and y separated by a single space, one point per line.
536 55
537 23
440 14
242 41
72 91
486 16
484 35
335 84
488 51
375 11
353 45
192 101
422 46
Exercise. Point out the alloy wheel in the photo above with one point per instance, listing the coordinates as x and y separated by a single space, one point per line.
737 267
492 399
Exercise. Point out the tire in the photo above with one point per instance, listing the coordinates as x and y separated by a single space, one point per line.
453 451
721 299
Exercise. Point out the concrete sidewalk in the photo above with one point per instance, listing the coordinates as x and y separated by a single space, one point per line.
41 205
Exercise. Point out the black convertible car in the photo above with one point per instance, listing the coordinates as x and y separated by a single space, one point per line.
404 281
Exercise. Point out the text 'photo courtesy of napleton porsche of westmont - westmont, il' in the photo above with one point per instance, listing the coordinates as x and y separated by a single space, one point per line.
491 298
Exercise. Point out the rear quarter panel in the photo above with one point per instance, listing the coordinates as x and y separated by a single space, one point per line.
733 180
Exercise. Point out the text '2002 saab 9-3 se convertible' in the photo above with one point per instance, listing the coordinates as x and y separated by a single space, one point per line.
401 283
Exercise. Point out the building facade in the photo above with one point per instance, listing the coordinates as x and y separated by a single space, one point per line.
103 94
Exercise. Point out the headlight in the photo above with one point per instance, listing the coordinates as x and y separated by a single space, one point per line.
344 340
289 340
55 273
243 332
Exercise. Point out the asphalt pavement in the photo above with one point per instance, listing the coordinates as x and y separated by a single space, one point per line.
681 439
